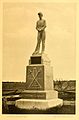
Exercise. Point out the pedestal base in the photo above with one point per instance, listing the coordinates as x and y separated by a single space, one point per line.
33 94
38 104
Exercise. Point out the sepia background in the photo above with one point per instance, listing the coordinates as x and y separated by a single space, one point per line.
44 117
20 37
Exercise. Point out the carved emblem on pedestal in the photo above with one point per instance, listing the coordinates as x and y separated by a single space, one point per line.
35 77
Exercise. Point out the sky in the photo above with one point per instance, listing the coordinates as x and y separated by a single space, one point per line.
20 38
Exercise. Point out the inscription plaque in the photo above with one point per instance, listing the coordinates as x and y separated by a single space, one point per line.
36 60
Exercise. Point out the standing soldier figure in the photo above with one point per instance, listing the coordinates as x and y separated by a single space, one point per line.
40 27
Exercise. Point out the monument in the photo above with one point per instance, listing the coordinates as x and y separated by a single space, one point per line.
39 92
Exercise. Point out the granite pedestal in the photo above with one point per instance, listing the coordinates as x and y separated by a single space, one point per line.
39 93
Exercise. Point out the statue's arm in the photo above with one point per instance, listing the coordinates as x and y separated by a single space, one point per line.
44 26
37 28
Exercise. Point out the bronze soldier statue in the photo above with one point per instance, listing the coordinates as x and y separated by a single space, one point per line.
40 27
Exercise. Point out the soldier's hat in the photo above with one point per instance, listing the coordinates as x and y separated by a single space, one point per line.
40 13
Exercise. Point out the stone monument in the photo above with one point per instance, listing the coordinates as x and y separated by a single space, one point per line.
39 93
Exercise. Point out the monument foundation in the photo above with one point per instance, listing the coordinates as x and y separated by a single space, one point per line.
39 93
